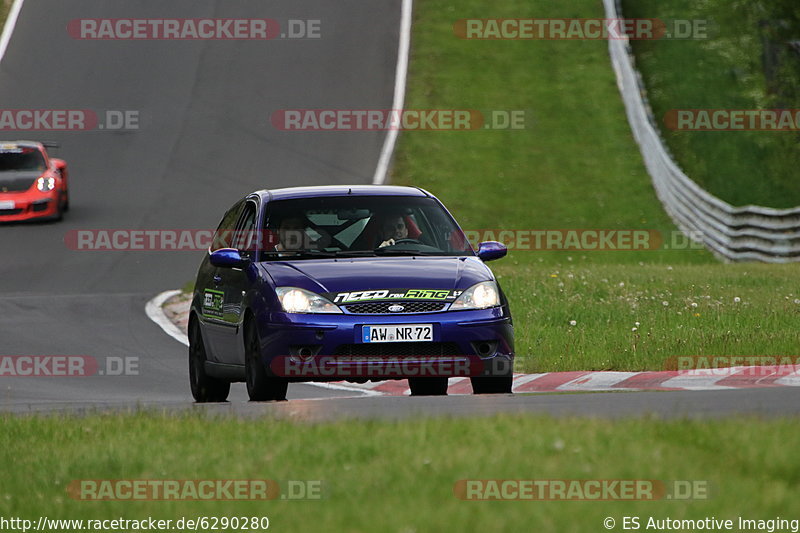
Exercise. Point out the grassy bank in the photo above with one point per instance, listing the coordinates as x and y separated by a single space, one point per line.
574 165
745 63
5 5
386 476
727 310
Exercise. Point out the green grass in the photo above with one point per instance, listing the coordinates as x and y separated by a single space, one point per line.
575 165
389 476
606 301
726 71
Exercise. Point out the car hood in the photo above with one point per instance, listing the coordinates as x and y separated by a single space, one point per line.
373 273
17 180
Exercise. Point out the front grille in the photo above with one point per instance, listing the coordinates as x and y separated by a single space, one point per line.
374 308
9 212
399 349
41 206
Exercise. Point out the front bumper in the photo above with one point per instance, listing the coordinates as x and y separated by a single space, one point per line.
29 205
474 343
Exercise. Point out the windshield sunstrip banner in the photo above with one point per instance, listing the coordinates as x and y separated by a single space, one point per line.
442 295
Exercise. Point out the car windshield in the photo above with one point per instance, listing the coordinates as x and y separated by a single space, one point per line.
353 226
19 158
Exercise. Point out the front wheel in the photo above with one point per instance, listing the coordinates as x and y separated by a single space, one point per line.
204 387
260 386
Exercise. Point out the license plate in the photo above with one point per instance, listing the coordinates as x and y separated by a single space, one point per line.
399 333
7 205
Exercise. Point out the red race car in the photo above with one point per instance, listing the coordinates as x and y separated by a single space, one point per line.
33 185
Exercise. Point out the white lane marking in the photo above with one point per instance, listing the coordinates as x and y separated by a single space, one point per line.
522 379
345 386
156 314
8 29
596 381
700 379
399 91
369 385
789 380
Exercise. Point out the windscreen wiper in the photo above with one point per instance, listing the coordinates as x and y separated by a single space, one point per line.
389 251
299 254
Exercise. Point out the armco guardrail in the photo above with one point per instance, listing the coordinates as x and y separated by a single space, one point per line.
732 233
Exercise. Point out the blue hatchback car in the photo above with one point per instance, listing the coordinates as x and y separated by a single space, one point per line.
350 283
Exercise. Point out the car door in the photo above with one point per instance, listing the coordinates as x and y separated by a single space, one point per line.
209 282
234 285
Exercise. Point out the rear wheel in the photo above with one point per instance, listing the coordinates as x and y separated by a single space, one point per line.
428 386
492 385
205 388
260 386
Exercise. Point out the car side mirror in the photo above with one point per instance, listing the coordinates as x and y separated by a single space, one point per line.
228 258
491 250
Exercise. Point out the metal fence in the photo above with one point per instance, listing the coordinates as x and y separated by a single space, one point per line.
747 233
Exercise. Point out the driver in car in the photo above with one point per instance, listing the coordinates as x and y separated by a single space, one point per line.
291 234
393 229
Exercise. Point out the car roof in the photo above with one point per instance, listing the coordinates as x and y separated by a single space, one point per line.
339 190
26 144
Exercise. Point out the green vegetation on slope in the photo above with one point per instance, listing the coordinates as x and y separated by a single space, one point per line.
745 63
575 165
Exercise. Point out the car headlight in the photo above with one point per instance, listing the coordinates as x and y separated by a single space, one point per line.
479 296
46 184
295 300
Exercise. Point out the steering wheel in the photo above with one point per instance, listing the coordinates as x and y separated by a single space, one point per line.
407 241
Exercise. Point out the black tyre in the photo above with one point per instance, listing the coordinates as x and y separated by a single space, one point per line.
205 388
59 211
261 387
492 385
428 386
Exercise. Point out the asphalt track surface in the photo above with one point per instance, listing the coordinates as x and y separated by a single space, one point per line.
204 141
